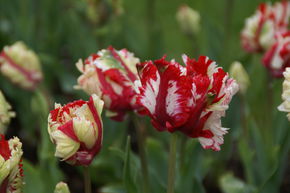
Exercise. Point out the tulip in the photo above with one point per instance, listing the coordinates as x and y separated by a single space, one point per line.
77 131
260 29
5 114
238 72
11 173
21 66
188 19
189 99
285 106
276 59
111 75
61 187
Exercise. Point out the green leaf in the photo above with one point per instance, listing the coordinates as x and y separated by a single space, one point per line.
193 167
157 161
247 156
32 178
231 184
40 178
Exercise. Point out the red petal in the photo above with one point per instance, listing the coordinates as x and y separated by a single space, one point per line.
217 81
199 67
68 129
5 152
130 74
173 85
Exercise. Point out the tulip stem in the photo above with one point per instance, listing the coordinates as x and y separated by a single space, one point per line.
172 163
142 153
270 94
244 116
87 180
269 107
182 152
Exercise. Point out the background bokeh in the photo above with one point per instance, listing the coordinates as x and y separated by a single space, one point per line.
255 156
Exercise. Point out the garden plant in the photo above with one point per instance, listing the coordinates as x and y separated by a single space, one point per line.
147 96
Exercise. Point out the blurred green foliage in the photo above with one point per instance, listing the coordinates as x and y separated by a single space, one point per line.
252 160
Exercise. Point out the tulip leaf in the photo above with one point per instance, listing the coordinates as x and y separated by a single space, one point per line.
247 156
32 177
156 154
231 184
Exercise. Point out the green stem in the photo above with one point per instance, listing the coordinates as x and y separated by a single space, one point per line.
142 153
269 106
182 152
270 93
244 116
151 27
229 8
87 180
172 163
195 42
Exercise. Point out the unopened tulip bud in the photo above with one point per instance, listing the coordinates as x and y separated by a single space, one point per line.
77 130
188 19
238 72
11 172
61 187
5 114
20 65
285 106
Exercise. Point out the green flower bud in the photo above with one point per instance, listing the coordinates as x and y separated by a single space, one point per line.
188 19
61 187
238 72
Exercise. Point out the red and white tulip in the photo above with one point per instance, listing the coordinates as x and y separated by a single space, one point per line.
77 130
260 29
21 66
285 106
111 75
11 172
5 113
189 99
277 58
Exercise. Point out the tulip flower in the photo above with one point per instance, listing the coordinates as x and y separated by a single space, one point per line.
21 66
61 187
189 99
188 19
111 75
77 130
285 106
277 58
11 172
5 113
260 29
238 72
